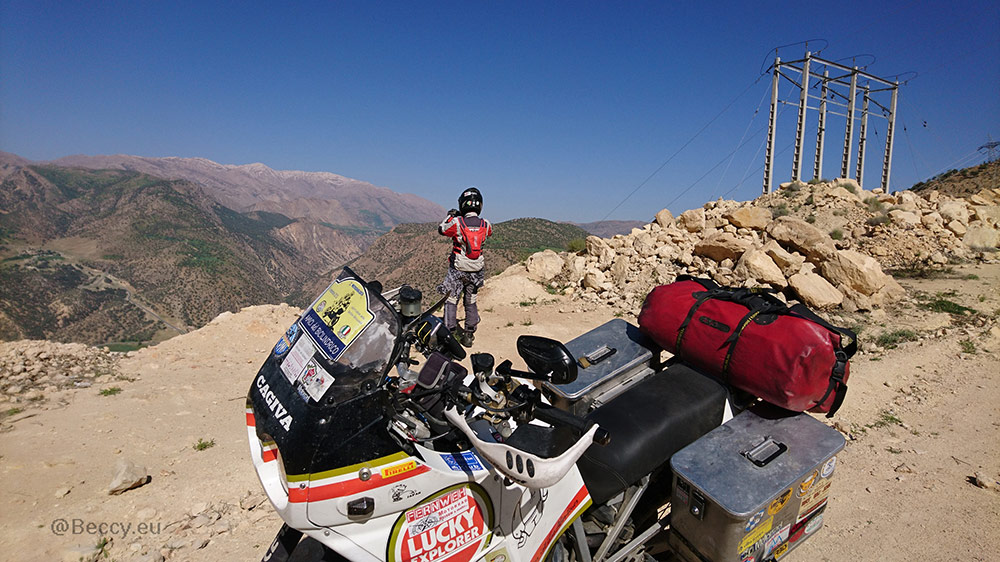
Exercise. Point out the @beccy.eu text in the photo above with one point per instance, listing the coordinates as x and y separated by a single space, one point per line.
76 526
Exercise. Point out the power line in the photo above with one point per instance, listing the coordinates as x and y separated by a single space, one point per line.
685 145
740 143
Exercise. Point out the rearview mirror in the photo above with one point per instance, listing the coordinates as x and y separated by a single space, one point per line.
547 356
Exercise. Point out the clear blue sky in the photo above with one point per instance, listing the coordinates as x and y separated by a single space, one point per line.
554 109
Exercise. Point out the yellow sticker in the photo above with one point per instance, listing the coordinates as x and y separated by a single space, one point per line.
779 502
338 316
806 484
398 469
756 534
781 550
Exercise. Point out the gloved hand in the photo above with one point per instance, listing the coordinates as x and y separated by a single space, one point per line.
453 213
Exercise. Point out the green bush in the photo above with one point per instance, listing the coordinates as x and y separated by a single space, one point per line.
837 234
576 245
890 340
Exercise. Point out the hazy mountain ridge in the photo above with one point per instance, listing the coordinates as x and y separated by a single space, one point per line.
258 187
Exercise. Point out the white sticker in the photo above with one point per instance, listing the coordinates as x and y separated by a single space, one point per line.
439 511
829 466
295 361
774 540
315 380
814 524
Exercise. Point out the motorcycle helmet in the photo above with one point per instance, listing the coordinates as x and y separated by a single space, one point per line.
470 201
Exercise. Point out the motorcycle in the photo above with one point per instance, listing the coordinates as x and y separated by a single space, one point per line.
374 456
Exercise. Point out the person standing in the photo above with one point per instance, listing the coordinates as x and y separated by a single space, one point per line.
468 232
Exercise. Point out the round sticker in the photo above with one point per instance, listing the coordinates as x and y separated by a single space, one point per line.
814 524
753 521
807 484
779 502
453 525
829 466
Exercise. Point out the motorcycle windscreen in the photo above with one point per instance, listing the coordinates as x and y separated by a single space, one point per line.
321 371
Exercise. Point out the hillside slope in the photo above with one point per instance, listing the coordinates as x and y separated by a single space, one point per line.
416 254
318 196
80 244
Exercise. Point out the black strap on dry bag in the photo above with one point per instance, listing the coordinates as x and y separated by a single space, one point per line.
761 303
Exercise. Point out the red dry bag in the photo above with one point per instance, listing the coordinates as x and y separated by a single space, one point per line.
751 340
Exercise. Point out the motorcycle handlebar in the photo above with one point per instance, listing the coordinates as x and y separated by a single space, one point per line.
554 416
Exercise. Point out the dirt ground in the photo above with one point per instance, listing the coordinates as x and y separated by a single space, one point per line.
921 420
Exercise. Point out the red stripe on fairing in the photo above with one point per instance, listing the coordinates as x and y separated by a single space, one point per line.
268 455
251 422
554 531
349 487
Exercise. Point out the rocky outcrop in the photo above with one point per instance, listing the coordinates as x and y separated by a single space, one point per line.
830 255
35 372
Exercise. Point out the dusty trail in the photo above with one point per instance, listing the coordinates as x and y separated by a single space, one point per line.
922 419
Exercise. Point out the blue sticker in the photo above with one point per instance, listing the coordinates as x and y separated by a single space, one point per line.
753 521
466 461
285 343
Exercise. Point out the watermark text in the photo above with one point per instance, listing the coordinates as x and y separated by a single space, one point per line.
76 526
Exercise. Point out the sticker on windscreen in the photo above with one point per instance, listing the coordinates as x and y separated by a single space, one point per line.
315 380
295 362
338 317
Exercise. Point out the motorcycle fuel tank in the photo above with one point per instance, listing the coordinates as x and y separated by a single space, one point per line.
754 488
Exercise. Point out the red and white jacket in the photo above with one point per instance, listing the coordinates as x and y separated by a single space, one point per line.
468 234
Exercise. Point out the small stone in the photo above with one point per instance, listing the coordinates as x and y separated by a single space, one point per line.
905 469
983 481
127 476
63 492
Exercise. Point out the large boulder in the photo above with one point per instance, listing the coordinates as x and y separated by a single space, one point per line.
599 248
722 246
545 265
757 265
665 218
790 263
815 244
619 269
815 291
980 235
594 279
756 218
904 217
954 211
855 270
692 220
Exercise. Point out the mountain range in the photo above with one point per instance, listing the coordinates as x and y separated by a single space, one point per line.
107 250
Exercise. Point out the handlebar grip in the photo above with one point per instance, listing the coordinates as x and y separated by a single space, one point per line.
555 416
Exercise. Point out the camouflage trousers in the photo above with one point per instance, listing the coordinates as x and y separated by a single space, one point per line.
454 285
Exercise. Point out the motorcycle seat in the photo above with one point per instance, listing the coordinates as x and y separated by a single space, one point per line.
648 424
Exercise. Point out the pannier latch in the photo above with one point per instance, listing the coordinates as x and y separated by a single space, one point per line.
765 452
698 505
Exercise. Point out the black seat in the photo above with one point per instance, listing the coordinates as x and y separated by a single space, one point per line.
648 424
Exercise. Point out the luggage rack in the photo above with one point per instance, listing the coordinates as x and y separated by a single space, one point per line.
612 358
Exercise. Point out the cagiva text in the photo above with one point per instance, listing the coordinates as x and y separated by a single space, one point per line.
280 413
